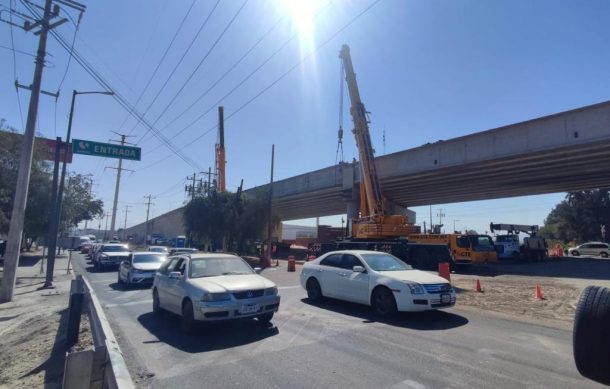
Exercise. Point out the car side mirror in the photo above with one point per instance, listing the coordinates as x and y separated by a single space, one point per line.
175 275
258 270
358 269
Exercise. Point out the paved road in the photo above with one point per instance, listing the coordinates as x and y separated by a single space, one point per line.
335 345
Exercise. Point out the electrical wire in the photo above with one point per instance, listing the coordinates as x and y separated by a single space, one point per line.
154 73
242 82
205 21
210 50
312 52
18 51
77 27
15 68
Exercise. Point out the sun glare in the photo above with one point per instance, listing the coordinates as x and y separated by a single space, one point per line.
303 13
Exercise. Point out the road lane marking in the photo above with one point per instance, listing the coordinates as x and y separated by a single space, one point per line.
129 303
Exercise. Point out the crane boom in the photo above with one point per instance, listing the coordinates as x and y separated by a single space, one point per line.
373 223
374 200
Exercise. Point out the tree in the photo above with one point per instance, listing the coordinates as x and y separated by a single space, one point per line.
78 203
221 217
579 216
39 198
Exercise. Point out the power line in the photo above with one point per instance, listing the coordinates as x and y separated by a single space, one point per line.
205 21
117 96
316 49
80 17
243 81
154 73
198 66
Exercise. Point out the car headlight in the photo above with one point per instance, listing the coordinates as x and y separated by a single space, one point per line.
215 297
416 288
271 291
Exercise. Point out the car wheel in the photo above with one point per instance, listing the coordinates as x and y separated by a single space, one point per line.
314 292
575 253
383 302
156 304
188 316
603 254
265 318
590 339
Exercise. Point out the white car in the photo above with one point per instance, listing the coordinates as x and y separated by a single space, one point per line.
377 279
212 287
158 249
140 268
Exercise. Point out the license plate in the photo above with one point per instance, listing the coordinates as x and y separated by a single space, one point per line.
445 298
245 309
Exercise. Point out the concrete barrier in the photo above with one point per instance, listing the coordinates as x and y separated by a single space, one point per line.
104 366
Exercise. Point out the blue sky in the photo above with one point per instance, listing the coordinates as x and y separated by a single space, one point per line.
427 70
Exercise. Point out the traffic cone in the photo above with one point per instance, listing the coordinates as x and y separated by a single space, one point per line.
478 288
538 294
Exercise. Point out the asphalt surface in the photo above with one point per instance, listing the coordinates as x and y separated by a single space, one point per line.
334 345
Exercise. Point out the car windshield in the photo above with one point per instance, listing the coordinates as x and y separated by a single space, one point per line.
149 258
481 243
158 249
384 262
211 267
114 249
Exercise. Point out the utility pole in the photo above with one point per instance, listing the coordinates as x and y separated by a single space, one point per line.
431 218
90 191
125 225
149 197
107 214
191 188
119 169
454 220
440 215
269 225
15 234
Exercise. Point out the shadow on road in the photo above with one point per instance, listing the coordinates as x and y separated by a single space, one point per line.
124 287
426 321
208 336
567 267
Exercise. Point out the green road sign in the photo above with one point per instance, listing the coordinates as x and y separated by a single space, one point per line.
108 150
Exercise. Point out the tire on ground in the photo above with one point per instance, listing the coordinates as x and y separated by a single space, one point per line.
591 339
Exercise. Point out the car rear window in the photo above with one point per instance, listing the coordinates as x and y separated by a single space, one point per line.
149 258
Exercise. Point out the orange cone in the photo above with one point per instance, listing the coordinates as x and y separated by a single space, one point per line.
478 288
538 294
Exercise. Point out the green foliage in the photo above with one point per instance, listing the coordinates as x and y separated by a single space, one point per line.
221 218
579 217
78 203
37 208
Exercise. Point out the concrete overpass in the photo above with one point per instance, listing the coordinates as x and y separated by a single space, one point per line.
557 153
563 152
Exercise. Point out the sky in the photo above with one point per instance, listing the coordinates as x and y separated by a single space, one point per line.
427 70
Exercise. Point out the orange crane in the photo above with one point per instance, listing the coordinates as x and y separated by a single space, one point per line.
372 222
220 153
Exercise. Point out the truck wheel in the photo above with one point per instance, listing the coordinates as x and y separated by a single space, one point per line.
591 341
603 254
575 253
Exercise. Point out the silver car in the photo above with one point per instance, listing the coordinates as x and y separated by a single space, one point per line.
140 268
212 287
591 248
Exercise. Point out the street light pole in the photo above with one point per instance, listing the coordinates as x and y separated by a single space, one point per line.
57 206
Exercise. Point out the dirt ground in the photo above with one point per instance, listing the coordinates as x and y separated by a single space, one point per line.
515 296
31 341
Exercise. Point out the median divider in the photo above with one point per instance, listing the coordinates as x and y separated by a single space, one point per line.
104 366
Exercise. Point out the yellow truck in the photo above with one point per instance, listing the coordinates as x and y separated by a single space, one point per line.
466 249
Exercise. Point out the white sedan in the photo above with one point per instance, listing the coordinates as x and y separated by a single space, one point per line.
211 287
377 279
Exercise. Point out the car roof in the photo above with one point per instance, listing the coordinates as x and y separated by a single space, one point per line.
212 255
356 252
148 252
115 244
